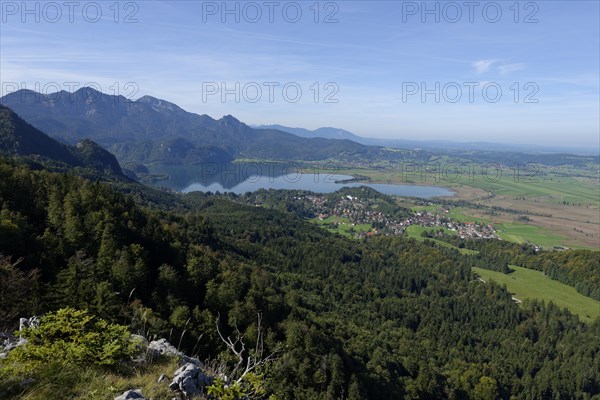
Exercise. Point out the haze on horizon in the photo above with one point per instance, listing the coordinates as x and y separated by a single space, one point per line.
377 69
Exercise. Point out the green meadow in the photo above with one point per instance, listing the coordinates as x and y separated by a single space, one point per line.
520 233
554 188
414 231
458 214
430 209
341 225
531 284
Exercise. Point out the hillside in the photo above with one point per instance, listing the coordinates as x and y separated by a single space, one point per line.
169 151
17 137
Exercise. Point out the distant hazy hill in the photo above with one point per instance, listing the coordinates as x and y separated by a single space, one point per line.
325 133
143 129
17 137
443 146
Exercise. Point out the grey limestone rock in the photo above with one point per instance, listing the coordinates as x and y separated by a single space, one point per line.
131 394
190 380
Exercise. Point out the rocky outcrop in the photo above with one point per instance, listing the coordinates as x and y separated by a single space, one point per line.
131 394
162 347
190 380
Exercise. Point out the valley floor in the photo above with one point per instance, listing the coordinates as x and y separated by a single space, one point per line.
562 211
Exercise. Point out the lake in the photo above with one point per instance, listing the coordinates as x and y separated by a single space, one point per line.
240 178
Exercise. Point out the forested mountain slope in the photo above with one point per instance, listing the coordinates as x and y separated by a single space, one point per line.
380 319
18 138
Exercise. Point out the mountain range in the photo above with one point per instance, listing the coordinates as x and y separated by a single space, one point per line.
153 130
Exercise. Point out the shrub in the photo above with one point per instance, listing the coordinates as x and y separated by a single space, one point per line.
250 387
70 336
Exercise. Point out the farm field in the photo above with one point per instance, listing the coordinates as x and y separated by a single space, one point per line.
461 214
531 284
554 189
520 233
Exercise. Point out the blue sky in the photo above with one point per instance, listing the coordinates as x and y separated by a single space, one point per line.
370 61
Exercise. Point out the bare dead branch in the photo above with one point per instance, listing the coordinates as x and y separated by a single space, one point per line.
238 347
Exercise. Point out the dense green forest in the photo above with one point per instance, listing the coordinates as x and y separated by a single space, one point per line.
383 318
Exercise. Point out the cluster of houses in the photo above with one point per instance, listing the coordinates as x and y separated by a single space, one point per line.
361 211
470 230
465 230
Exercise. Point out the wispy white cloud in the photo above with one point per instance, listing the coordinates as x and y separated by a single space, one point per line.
482 66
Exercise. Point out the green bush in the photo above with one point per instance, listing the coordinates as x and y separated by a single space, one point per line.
251 387
70 336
